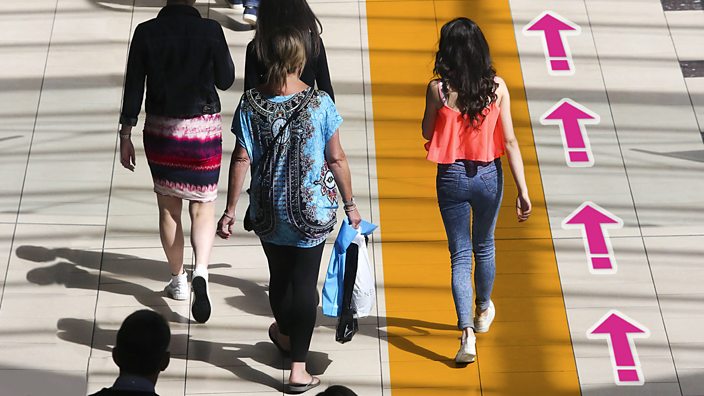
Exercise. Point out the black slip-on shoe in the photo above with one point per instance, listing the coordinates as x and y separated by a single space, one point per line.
201 308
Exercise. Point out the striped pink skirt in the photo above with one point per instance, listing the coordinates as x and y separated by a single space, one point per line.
184 155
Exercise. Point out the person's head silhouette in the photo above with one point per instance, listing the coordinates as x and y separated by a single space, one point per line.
141 347
141 352
337 390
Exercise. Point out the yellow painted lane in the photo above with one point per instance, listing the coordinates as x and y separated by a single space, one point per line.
528 351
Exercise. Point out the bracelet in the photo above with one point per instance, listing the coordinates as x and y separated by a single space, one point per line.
349 209
125 135
349 203
227 215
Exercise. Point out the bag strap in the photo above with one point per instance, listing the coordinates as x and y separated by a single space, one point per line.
293 116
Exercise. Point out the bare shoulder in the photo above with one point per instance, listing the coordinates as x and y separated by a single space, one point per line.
433 90
501 82
501 90
433 85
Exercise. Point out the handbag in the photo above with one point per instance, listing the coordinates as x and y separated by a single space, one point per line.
248 222
347 325
364 291
349 289
359 289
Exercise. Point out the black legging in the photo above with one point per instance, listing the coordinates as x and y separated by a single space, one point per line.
294 309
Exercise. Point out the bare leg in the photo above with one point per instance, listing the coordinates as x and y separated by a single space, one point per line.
171 231
202 237
202 231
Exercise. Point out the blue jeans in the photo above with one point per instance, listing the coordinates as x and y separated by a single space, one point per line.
251 3
476 187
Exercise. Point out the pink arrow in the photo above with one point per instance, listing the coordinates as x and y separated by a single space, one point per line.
572 118
552 27
593 221
620 331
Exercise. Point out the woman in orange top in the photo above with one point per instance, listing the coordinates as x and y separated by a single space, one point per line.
468 126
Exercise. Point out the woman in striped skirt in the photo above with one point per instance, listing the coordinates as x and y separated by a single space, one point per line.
183 59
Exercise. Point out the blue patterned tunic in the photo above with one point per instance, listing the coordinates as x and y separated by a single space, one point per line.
299 199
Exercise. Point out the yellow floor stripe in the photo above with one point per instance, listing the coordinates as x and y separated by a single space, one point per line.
528 351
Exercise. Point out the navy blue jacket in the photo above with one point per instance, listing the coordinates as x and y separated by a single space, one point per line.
184 58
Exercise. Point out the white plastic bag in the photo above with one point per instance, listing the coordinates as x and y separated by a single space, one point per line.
364 292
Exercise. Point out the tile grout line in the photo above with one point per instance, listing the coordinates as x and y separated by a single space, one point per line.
366 94
29 154
107 214
689 93
545 199
630 189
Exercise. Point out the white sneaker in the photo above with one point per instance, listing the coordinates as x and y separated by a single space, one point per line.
468 349
236 5
250 15
482 323
178 287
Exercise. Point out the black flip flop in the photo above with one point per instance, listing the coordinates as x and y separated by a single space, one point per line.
295 389
275 340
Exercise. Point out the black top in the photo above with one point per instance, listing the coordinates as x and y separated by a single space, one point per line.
183 58
113 392
315 71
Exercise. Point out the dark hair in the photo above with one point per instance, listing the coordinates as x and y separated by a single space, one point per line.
463 64
337 390
274 14
141 343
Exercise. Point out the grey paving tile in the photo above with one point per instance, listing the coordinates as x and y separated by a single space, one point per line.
682 5
38 274
648 389
6 234
692 381
664 93
23 50
684 28
599 370
245 379
696 92
688 356
63 356
32 381
681 305
674 264
80 80
34 330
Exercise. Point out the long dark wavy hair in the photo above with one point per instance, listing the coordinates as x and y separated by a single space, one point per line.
463 64
275 14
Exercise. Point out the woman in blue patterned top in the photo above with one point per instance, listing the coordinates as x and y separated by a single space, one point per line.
288 133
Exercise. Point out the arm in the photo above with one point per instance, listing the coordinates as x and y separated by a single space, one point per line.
224 68
337 161
239 163
132 98
251 74
322 73
515 161
433 103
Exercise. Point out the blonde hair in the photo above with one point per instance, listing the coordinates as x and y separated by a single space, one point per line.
284 54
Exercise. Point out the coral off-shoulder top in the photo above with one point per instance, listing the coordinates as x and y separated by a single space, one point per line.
455 138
